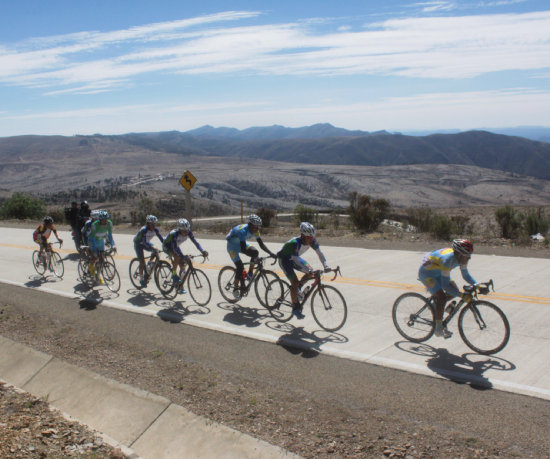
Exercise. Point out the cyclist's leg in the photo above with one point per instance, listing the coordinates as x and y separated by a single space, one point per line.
253 253
287 266
433 284
239 266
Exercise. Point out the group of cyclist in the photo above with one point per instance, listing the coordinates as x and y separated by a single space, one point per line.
434 271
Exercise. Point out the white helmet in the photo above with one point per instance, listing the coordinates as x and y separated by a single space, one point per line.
254 220
94 214
183 224
307 229
151 219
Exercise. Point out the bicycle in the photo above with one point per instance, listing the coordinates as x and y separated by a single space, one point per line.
260 279
149 271
104 270
328 305
198 284
49 259
483 326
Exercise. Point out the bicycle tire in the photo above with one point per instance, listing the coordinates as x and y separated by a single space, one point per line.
329 309
133 271
226 283
491 338
277 299
84 273
198 286
413 317
164 281
110 276
38 263
56 263
260 285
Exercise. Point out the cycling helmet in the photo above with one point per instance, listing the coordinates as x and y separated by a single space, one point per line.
307 229
94 214
48 220
84 204
463 246
254 220
151 219
184 224
103 215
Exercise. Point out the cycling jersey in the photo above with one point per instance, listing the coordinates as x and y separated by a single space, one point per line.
290 256
42 233
238 234
435 271
145 235
98 233
85 231
174 239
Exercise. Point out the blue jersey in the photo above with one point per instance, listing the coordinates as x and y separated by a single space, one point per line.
174 239
240 233
98 234
144 236
438 265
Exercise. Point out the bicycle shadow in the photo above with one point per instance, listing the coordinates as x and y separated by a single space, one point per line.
298 341
242 315
176 311
141 298
90 301
95 292
71 257
468 368
37 280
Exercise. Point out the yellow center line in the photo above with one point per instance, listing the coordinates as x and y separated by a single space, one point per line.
340 280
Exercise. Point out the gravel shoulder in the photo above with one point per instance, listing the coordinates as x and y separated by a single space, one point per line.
311 404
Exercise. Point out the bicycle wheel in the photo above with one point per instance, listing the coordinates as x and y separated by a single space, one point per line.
261 283
164 281
328 307
38 263
110 276
84 273
413 317
199 287
484 327
277 300
56 264
226 284
133 271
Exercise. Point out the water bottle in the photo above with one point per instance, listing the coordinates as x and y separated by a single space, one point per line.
450 307
149 267
307 289
245 274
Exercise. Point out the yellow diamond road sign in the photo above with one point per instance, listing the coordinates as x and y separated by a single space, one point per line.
187 180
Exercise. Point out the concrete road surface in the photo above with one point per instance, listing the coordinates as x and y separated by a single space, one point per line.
371 281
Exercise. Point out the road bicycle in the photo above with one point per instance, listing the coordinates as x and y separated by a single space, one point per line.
482 325
104 271
48 260
198 284
260 280
149 271
328 305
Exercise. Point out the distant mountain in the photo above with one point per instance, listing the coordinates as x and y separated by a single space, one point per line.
538 133
317 144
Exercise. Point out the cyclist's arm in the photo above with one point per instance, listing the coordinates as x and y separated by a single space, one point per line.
264 247
320 254
467 276
197 244
157 232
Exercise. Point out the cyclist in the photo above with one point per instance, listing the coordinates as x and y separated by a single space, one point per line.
435 274
100 229
290 259
237 243
171 244
88 226
142 241
43 232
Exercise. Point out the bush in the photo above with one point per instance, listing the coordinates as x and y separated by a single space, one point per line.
305 214
366 213
509 221
536 222
57 214
146 207
421 218
22 206
441 227
266 215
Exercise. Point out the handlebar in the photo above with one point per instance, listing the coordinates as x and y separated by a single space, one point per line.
336 272
196 256
482 288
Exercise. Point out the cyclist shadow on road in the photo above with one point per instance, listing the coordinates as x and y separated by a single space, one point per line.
36 280
242 315
176 311
95 294
141 298
468 368
297 341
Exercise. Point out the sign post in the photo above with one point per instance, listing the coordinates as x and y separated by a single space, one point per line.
187 181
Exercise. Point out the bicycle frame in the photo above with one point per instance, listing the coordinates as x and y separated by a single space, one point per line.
316 282
473 290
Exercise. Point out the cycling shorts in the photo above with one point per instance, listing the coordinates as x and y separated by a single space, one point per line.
234 252
432 280
139 248
288 267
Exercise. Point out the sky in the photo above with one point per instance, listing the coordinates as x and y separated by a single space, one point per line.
115 66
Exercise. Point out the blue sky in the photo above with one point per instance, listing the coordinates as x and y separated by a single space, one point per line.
117 66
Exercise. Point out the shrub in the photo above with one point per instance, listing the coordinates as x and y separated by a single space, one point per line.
421 218
22 206
441 227
305 214
266 215
145 207
509 222
536 222
57 214
366 213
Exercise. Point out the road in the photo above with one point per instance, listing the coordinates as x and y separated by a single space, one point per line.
371 281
